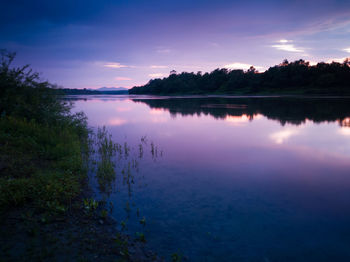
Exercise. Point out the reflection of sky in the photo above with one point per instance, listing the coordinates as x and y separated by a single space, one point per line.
345 131
325 138
254 184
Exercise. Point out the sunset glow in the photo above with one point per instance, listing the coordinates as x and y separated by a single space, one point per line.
128 43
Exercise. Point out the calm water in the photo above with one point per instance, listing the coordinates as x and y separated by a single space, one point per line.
233 179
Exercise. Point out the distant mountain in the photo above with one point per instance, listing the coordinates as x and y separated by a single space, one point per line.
100 91
110 89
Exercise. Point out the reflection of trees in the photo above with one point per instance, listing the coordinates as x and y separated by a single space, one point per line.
285 110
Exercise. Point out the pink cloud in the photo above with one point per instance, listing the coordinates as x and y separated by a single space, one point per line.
114 65
121 78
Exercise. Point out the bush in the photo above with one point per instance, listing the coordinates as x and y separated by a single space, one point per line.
42 145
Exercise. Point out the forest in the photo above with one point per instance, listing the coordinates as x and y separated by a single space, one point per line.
298 77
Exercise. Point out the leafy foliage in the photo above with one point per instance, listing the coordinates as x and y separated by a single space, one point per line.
42 145
298 77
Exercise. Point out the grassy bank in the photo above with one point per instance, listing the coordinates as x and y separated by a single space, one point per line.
42 165
46 209
42 144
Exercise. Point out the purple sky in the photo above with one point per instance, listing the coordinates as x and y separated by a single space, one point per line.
90 44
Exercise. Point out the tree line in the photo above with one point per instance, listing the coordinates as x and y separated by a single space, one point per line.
298 77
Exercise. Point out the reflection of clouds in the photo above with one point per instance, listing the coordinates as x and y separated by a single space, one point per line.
158 116
237 120
258 116
281 136
159 119
242 120
116 121
345 131
156 111
123 109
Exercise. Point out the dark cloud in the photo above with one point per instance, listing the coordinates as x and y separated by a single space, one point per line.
64 11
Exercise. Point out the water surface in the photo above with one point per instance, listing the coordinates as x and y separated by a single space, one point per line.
233 179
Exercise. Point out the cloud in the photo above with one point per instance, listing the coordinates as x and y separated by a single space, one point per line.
284 41
312 63
159 67
288 48
114 65
120 78
347 50
156 75
338 60
286 45
214 44
163 50
240 66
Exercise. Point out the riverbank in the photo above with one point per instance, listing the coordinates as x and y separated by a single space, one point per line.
44 196
25 236
47 210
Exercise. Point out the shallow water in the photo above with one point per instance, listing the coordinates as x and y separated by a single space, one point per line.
233 179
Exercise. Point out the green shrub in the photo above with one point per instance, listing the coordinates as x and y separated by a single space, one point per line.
43 146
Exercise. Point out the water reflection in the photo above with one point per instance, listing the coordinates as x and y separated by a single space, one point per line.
286 110
283 135
117 166
242 179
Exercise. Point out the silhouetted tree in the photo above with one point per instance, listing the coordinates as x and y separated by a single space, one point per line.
288 77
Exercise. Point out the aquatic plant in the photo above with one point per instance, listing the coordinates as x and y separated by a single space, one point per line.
123 225
140 151
143 221
152 150
122 245
127 207
175 257
140 237
90 205
144 140
126 150
104 213
106 173
120 158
